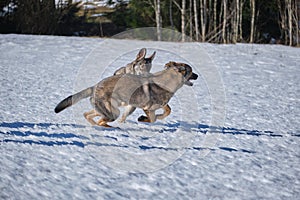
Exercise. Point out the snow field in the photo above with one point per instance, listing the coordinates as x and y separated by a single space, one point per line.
253 155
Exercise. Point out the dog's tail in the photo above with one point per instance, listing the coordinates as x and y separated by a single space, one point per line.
71 100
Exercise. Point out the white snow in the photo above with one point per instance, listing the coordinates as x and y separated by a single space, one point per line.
233 135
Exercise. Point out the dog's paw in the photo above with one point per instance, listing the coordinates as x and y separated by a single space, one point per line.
143 119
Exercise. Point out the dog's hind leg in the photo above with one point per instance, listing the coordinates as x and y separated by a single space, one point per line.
108 112
103 122
167 111
90 115
112 117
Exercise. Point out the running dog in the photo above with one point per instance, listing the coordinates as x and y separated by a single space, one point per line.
149 93
140 66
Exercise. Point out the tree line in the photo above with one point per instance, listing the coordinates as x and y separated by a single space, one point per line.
217 21
41 17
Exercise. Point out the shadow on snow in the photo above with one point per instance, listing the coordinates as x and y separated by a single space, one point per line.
18 136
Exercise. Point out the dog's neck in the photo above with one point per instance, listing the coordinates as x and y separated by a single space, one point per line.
168 79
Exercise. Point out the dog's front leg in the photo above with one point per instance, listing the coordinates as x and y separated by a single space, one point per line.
151 117
128 111
167 111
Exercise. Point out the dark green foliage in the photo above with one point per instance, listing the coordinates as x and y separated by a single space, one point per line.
43 17
133 15
33 16
141 13
267 22
40 17
7 10
267 25
68 22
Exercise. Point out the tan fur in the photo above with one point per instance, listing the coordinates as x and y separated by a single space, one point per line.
149 93
140 66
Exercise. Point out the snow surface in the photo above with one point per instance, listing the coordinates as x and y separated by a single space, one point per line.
233 135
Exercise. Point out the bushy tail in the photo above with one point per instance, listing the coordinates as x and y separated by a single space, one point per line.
71 100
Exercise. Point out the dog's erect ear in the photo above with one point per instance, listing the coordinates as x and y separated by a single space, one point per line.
141 55
152 56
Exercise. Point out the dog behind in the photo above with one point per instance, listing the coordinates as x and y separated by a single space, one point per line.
139 66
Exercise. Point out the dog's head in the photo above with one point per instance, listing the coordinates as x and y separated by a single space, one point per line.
185 70
143 65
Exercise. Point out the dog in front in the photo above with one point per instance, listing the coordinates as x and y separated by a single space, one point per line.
149 93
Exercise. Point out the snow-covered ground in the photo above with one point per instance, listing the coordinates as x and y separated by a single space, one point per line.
233 135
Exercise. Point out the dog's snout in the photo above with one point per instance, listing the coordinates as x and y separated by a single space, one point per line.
194 76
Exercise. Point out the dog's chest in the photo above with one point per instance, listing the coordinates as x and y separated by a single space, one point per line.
148 95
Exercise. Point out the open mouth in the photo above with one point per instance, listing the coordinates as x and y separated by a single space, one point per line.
185 69
192 77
